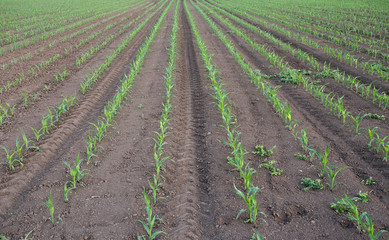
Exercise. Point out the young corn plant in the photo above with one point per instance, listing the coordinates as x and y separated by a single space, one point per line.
332 172
352 209
155 186
371 133
27 143
368 225
323 157
76 173
37 133
256 236
304 141
10 158
356 121
251 202
66 191
25 99
50 205
19 149
149 225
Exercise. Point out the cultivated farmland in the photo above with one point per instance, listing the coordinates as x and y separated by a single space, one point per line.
194 119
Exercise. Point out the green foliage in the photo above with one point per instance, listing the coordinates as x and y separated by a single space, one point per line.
269 166
49 204
301 156
369 181
332 172
262 152
309 184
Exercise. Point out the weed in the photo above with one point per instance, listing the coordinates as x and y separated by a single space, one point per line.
301 156
309 184
369 181
269 166
363 197
376 116
262 152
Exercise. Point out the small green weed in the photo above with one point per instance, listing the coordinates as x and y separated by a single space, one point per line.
309 184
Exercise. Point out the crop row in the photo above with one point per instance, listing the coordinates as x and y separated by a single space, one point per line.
330 100
369 91
50 119
249 192
374 69
59 29
332 171
160 139
352 41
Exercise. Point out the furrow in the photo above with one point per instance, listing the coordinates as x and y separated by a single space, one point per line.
188 182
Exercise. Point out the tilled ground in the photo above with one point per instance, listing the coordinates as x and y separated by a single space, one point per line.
198 197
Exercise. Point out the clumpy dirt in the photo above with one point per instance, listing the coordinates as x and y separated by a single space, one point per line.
198 199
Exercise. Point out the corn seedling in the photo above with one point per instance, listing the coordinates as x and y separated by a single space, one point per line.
66 191
251 202
155 187
385 151
332 171
309 184
49 204
10 158
256 236
76 173
19 149
149 225
37 133
323 157
369 181
357 121
371 133
25 99
380 142
369 227
353 210
304 141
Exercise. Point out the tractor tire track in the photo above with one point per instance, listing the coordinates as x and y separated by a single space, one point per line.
189 209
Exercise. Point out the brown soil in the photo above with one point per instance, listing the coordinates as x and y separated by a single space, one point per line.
198 197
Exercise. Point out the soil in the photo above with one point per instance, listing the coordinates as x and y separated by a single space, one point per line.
198 199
